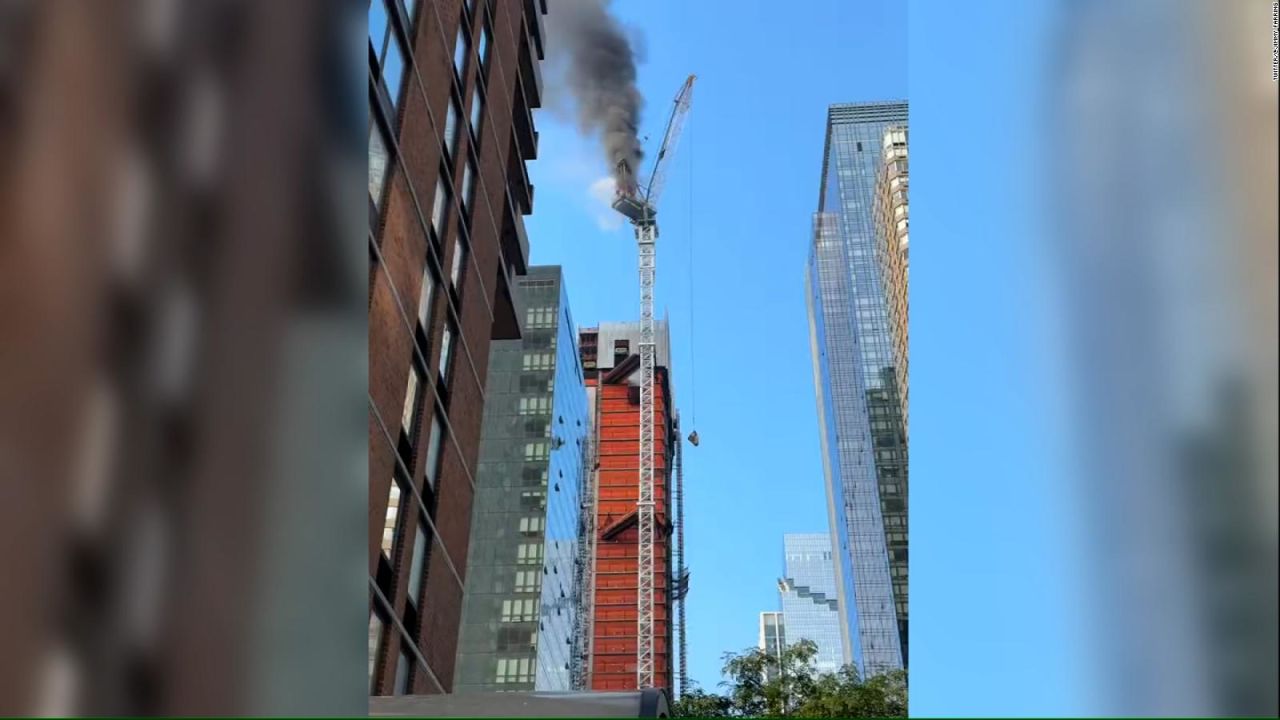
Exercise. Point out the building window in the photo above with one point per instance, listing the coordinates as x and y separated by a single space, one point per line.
539 361
417 576
527 581
440 206
531 525
424 300
379 163
535 451
411 401
378 26
486 40
513 670
540 405
376 628
468 185
524 610
460 52
529 554
446 353
391 524
477 112
434 442
388 50
402 670
539 317
458 271
451 128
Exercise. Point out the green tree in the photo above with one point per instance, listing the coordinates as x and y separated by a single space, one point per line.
761 684
698 703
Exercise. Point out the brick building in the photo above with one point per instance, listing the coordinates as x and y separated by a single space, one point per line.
611 363
451 88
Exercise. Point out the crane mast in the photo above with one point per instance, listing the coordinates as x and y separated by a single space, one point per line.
640 206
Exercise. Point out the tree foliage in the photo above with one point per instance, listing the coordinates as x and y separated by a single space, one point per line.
761 684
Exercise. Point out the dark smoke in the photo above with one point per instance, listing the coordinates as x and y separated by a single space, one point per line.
601 74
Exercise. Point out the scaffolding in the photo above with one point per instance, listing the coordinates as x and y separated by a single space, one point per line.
584 634
680 588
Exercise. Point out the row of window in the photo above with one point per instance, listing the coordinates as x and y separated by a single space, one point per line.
540 317
387 32
895 137
411 416
535 405
390 27
528 581
521 610
809 557
535 451
386 42
529 554
514 670
539 361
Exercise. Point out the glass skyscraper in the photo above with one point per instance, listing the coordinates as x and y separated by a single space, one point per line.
863 441
809 607
521 587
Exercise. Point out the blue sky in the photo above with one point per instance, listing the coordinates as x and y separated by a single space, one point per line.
997 598
735 223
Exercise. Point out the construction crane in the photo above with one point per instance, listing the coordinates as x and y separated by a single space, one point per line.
640 205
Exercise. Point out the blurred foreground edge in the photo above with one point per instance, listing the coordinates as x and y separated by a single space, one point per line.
183 357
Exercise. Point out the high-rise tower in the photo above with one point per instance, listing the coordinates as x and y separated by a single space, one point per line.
522 593
810 609
892 217
611 364
860 417
773 639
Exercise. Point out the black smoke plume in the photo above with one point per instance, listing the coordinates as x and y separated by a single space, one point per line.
601 75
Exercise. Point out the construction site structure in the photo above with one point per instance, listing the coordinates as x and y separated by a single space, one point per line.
611 511
640 205
680 580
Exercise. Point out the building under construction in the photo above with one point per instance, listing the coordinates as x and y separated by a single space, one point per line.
611 538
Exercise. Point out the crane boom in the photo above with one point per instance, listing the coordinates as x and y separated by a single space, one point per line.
640 203
641 207
675 124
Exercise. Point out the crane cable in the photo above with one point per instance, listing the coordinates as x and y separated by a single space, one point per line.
693 375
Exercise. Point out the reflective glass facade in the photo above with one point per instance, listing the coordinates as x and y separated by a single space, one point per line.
810 610
521 590
860 418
